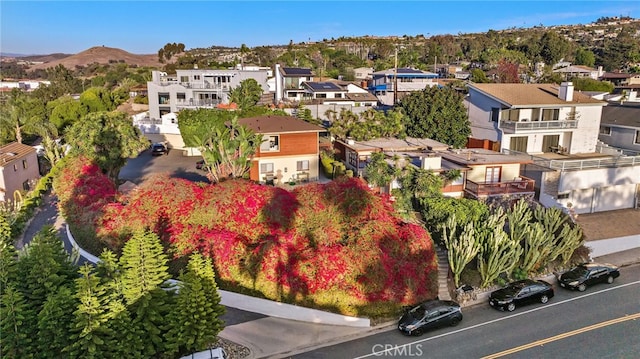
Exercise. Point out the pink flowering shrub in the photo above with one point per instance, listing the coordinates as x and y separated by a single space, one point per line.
337 246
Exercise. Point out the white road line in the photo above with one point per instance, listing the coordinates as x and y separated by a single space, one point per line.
382 352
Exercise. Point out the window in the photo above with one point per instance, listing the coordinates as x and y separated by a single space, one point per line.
495 114
270 143
550 143
24 164
605 130
15 167
564 195
181 96
550 114
321 95
492 174
510 115
636 141
266 168
184 78
196 77
302 166
163 98
535 114
338 95
25 185
292 94
518 144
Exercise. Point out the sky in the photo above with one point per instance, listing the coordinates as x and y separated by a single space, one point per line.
143 27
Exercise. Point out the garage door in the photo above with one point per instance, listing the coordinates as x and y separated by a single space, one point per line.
614 197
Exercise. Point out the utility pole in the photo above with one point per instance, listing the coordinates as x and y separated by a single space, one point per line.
395 80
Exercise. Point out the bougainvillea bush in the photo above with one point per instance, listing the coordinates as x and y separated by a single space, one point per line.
336 246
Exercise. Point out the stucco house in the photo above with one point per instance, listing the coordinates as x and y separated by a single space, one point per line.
18 169
288 85
197 88
620 126
289 150
558 127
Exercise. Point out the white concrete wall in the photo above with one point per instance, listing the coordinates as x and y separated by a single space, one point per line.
599 177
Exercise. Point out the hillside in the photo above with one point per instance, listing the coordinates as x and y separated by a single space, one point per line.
101 55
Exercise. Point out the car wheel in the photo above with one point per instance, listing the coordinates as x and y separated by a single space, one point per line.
582 287
610 279
544 299
511 307
454 321
418 332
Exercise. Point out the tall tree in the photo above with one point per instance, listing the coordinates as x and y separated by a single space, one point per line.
54 329
438 114
16 324
108 138
23 115
228 150
247 94
195 321
554 47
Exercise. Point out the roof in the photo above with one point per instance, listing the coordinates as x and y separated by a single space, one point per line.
296 71
323 86
576 68
479 156
615 75
362 96
627 114
396 144
405 72
13 152
278 124
527 95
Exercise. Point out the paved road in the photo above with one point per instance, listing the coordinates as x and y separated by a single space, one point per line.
603 322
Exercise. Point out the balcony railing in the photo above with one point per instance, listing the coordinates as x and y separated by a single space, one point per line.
520 185
575 165
516 126
197 103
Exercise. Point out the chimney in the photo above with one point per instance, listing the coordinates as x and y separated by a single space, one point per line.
566 91
431 162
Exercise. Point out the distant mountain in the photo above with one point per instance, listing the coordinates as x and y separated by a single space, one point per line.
97 54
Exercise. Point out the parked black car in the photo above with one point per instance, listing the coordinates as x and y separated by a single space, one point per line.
587 274
159 149
521 292
430 315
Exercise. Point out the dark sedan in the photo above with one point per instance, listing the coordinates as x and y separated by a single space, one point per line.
521 292
159 149
430 315
587 274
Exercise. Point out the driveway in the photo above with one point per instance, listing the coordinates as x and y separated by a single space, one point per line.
174 163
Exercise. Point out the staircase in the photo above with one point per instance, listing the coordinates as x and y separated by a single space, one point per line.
443 274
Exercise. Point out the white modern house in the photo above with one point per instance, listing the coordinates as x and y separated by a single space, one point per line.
288 84
558 127
197 88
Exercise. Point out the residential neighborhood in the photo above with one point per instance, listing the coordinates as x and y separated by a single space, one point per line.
345 197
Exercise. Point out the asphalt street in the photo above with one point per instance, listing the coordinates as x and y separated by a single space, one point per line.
603 322
174 163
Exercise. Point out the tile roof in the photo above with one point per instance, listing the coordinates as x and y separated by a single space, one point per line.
13 152
627 114
519 95
278 124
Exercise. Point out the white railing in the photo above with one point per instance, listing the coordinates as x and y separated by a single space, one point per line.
580 164
538 125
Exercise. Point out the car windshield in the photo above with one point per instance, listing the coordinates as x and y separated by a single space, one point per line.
580 271
417 312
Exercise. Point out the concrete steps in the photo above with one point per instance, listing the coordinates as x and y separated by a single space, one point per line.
443 274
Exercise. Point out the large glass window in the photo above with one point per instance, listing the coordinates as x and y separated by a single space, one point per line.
550 114
302 166
518 144
637 139
163 98
550 143
492 174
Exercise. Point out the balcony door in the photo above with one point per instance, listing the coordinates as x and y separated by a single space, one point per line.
550 143
518 144
492 174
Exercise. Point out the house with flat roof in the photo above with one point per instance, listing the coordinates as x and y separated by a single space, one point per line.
392 84
559 128
18 169
289 151
288 85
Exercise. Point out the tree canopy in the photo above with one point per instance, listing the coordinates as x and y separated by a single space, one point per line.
247 94
436 113
108 138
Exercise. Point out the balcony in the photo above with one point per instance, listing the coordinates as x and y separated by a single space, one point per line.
518 186
197 103
526 126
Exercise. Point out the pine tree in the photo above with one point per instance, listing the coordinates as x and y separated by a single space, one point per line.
90 333
144 266
16 319
43 267
144 270
54 322
195 321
